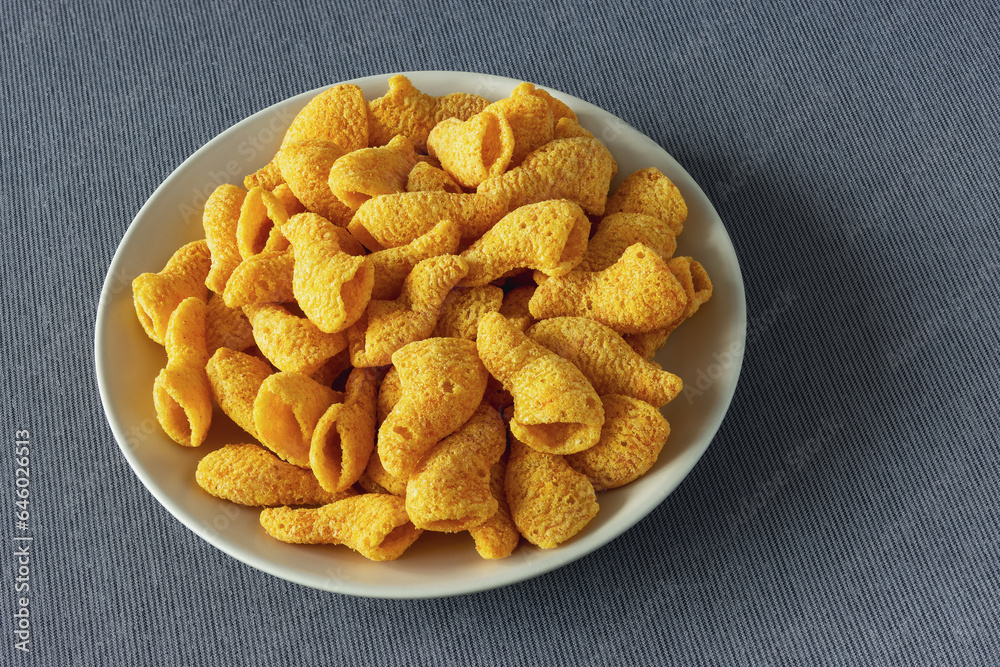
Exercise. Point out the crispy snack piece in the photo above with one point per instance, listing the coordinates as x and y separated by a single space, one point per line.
236 378
263 278
259 225
267 177
373 524
292 343
556 409
389 325
362 174
649 192
617 231
698 287
443 382
549 236
407 111
579 169
332 287
497 537
392 265
287 408
462 308
156 295
181 392
606 360
530 118
515 306
306 168
635 294
226 327
633 435
396 220
389 393
250 475
375 478
344 437
425 177
559 108
549 501
288 199
449 490
334 367
568 128
220 220
338 114
473 150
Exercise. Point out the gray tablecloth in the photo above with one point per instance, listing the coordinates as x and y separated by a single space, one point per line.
847 511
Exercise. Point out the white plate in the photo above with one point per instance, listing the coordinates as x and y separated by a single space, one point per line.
707 353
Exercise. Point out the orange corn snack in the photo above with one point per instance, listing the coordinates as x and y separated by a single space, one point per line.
292 343
286 410
236 378
306 168
425 177
220 220
392 265
338 114
182 395
515 307
649 192
225 326
344 437
462 308
698 287
530 118
473 150
358 176
497 537
259 225
263 278
156 295
617 231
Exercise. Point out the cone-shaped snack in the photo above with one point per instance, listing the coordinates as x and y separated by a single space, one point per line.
344 438
567 128
259 225
181 392
396 220
226 327
606 360
332 287
338 114
649 192
373 524
220 220
376 479
156 295
633 435
616 232
360 175
236 378
556 409
549 501
306 167
530 118
698 287
471 151
635 294
392 265
515 306
248 474
462 309
578 169
267 177
407 111
449 490
287 408
497 537
389 325
425 177
263 278
292 343
549 236
443 382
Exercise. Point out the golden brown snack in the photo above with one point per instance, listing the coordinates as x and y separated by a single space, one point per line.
568 128
617 231
649 192
259 225
226 327
332 287
407 111
362 174
236 378
338 114
396 220
389 325
286 410
375 478
530 118
333 368
392 265
389 393
292 343
579 169
549 501
606 360
288 199
263 278
635 294
344 437
556 409
443 382
515 307
156 295
497 537
250 475
462 308
633 435
425 177
220 220
267 177
549 236
473 150
698 287
306 168
182 395
373 524
449 490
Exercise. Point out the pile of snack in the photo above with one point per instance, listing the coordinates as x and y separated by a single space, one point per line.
427 313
